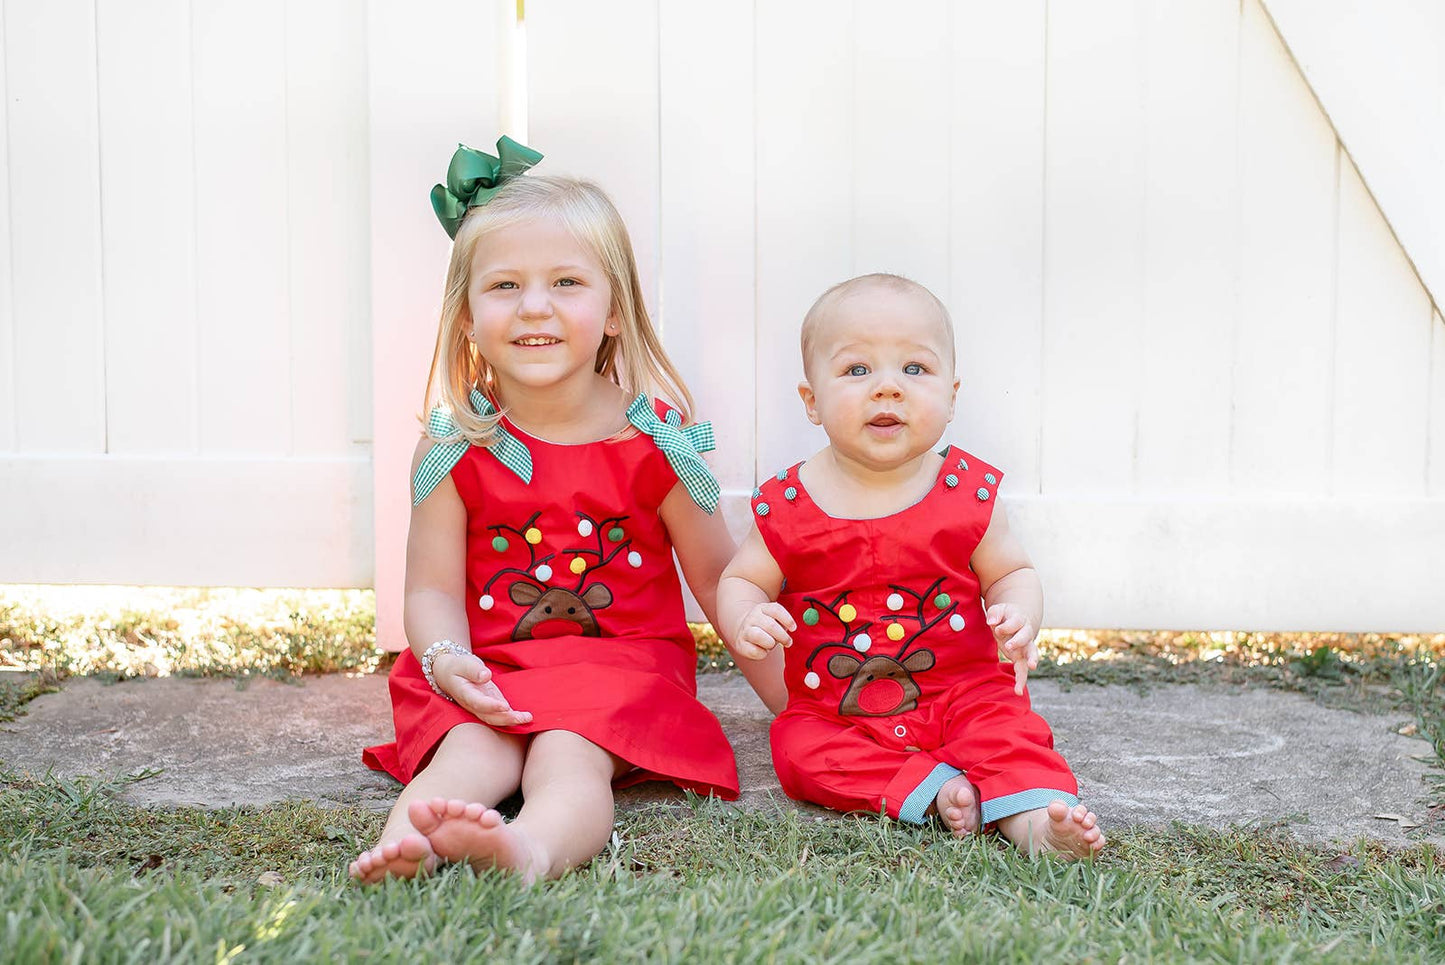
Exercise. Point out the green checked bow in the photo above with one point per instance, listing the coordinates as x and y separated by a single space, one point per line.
474 176
440 458
681 447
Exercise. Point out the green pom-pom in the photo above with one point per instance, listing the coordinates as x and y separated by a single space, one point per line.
500 544
942 600
615 534
810 617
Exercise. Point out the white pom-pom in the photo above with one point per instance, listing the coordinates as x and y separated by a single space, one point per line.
862 642
584 528
544 572
634 559
895 601
486 602
956 621
811 680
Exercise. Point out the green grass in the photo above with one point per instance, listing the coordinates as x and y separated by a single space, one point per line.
85 876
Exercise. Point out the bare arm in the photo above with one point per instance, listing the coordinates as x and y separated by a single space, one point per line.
752 625
702 543
1013 596
436 555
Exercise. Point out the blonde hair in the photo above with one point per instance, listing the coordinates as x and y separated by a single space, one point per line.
907 286
633 359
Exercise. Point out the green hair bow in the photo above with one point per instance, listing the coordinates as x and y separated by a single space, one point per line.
474 176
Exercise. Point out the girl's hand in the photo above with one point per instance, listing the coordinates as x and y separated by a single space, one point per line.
469 682
1016 640
761 629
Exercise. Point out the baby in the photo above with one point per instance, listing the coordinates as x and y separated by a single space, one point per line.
897 584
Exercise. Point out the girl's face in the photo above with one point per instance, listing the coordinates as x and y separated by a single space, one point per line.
880 378
540 305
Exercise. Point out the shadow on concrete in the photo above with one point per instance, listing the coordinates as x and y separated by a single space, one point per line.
1210 756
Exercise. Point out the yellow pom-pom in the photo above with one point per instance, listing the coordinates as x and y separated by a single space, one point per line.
847 612
534 536
895 631
578 565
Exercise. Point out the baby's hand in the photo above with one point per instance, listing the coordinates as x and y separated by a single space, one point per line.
1015 637
469 682
761 629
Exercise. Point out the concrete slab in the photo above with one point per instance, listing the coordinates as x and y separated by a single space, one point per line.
1212 756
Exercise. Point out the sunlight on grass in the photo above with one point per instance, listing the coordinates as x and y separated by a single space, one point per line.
86 875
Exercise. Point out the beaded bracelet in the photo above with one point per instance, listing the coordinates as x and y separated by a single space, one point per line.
434 651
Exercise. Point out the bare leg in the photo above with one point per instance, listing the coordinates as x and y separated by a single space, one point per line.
1058 829
473 763
566 815
957 805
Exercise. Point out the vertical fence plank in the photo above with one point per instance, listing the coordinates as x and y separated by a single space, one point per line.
592 106
7 281
148 204
1191 212
805 171
1382 351
421 104
241 244
996 231
1437 406
1093 245
327 182
1284 350
900 185
55 226
706 206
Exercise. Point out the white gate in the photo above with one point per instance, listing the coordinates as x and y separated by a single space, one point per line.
1186 329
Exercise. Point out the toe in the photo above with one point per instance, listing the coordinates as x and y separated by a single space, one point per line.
423 815
1080 812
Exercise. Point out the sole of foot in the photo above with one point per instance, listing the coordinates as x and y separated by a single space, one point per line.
406 857
476 834
957 804
1072 832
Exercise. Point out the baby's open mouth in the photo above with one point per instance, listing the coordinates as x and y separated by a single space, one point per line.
884 421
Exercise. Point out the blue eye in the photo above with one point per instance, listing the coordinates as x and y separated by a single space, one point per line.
505 284
912 368
567 281
859 369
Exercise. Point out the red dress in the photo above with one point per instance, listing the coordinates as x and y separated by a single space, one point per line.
574 602
894 681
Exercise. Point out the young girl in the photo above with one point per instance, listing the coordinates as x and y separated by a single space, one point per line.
549 652
907 582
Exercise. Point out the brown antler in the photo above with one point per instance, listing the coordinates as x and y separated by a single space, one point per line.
501 544
595 529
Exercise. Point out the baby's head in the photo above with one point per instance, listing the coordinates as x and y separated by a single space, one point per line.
904 295
878 364
633 357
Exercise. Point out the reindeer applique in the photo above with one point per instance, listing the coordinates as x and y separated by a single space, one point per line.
546 602
881 684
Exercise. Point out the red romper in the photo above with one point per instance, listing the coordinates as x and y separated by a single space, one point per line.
894 680
574 603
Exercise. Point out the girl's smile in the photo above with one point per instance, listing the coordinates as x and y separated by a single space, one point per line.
540 304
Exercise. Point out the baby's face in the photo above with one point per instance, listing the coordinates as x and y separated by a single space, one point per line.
880 377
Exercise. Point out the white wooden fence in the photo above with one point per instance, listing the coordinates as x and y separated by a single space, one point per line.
1187 331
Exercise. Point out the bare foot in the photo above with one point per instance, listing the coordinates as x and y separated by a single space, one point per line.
1072 832
957 805
475 833
406 857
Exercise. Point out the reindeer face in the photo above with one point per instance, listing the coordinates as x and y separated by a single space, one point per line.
882 686
556 603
